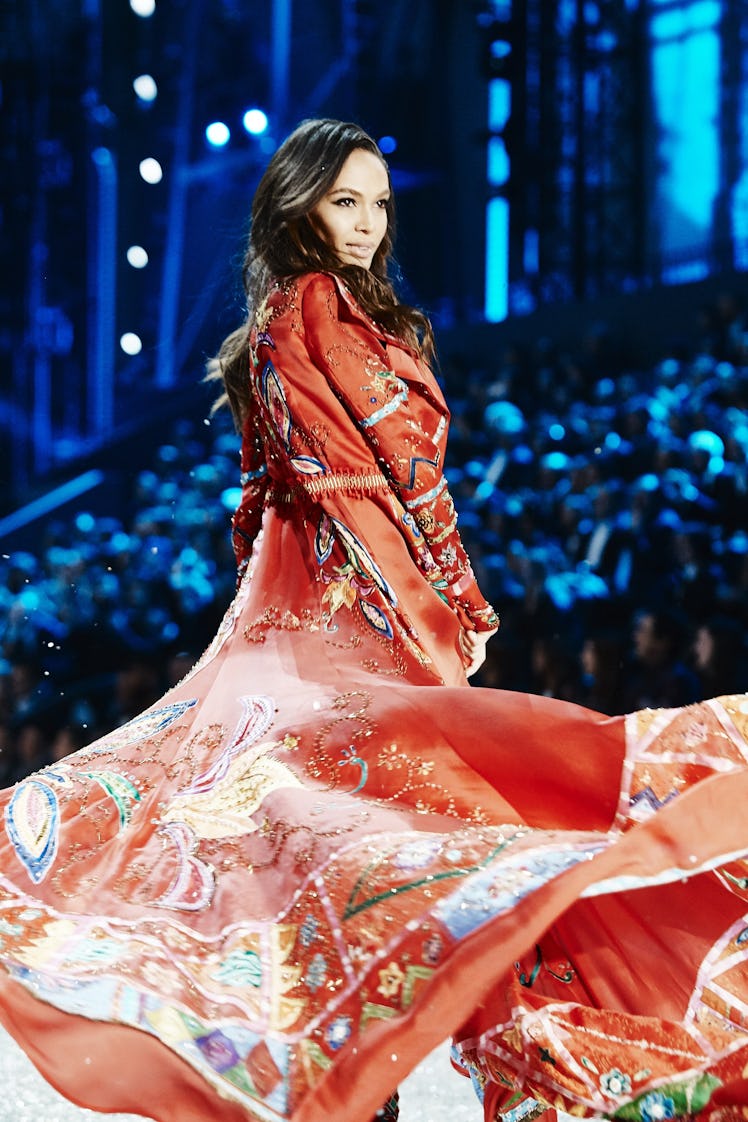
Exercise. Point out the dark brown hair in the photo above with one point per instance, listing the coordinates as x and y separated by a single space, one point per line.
283 244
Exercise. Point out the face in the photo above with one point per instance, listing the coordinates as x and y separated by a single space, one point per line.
703 647
352 217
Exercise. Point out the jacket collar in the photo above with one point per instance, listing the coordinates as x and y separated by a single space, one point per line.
411 367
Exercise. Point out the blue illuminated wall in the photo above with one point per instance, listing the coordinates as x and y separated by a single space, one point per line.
616 147
685 98
499 97
497 208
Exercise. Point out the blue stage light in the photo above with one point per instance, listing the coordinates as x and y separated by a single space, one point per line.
145 87
387 144
217 134
131 343
151 170
255 121
137 257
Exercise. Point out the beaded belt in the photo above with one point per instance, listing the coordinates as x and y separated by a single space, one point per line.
329 483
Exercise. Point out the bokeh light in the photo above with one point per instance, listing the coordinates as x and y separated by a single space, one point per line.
131 343
137 257
255 121
217 134
151 170
143 8
145 87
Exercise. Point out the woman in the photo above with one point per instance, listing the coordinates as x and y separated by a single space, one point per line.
270 895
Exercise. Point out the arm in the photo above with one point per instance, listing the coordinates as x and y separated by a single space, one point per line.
245 525
404 427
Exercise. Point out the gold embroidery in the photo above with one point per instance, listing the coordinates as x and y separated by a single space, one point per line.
273 618
336 482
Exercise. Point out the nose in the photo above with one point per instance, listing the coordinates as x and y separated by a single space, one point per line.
365 218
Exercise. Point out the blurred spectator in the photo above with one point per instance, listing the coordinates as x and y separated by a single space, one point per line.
720 657
30 751
67 740
602 662
554 668
659 675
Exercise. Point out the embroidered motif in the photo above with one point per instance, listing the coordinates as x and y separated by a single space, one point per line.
141 728
32 823
193 881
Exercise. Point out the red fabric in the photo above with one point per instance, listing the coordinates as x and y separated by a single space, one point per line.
274 892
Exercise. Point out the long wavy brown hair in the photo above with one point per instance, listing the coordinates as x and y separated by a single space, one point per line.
283 244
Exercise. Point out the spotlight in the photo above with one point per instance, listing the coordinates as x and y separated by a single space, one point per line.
131 343
143 8
145 87
217 134
387 144
255 121
137 257
151 170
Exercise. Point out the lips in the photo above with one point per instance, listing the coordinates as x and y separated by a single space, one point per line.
360 250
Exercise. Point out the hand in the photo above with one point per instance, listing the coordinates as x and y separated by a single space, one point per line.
472 645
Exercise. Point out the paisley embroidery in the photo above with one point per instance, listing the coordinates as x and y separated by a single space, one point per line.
193 881
323 540
32 822
308 465
257 716
142 727
124 793
376 618
363 560
350 757
275 399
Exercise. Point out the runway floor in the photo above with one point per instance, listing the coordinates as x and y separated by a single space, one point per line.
433 1093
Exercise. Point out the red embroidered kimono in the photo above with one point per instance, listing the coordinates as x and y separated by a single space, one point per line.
270 895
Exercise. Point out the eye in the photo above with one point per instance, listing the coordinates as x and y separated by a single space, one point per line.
345 201
382 203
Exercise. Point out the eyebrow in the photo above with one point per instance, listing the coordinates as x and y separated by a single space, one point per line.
352 191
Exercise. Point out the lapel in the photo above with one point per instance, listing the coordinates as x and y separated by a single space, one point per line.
405 362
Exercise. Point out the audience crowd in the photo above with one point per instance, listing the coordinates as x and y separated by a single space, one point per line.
604 508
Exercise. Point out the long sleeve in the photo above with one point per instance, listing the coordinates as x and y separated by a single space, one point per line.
247 519
404 421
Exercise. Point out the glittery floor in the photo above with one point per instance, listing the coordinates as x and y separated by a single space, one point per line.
433 1093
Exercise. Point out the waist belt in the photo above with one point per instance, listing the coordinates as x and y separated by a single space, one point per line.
329 483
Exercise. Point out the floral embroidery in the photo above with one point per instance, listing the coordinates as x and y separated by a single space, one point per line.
390 980
218 1050
308 932
615 1083
316 972
339 1032
656 1107
448 557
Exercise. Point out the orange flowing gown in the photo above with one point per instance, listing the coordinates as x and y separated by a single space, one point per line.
271 894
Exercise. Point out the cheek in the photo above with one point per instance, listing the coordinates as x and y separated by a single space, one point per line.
382 227
321 228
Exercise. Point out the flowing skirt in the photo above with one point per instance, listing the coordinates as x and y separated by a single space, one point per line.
273 893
